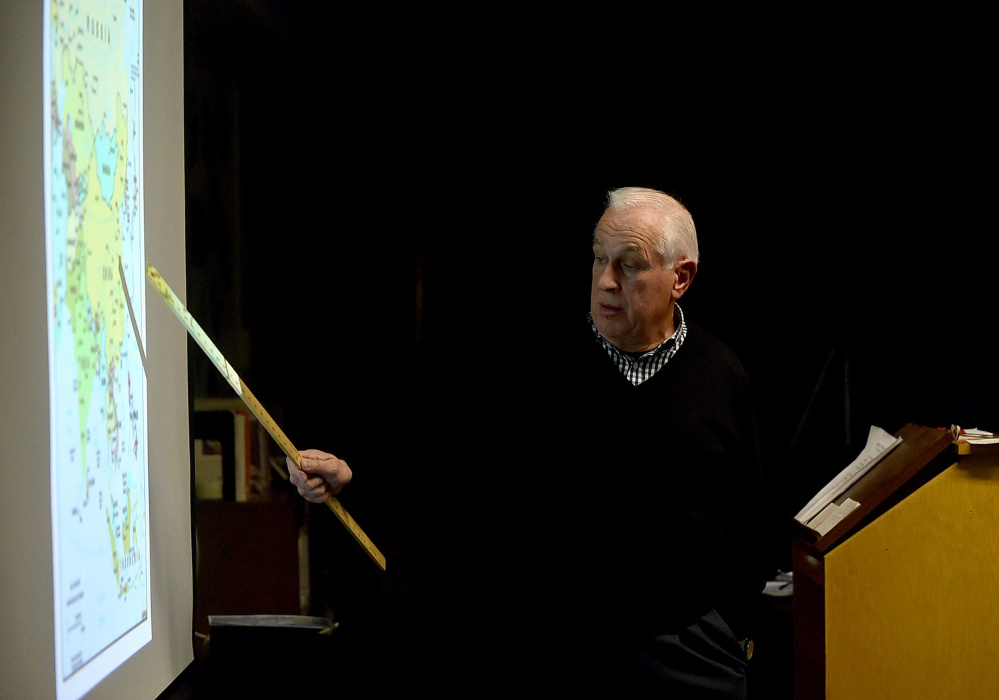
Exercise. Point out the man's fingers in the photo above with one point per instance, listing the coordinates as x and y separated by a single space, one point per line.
309 465
315 482
316 455
318 466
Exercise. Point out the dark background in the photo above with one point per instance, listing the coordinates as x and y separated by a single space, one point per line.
383 212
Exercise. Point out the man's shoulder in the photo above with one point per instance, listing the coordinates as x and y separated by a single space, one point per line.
704 348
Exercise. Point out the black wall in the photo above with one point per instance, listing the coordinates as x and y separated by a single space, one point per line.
359 202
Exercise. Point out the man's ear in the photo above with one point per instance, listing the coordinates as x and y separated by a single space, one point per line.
685 271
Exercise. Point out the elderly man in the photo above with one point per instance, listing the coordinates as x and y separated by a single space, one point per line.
646 493
631 472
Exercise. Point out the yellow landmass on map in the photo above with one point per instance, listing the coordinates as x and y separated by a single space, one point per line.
127 541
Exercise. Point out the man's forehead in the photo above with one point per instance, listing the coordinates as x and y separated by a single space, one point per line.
617 244
624 241
633 226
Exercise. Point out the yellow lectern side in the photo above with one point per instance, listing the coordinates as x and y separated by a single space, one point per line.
901 602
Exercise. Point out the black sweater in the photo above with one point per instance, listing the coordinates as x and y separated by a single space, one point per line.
577 512
644 504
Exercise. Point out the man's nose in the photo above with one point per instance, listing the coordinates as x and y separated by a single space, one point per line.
608 280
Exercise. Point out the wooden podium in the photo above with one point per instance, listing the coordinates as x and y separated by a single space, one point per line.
901 598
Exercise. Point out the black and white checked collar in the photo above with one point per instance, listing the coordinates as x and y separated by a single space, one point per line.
639 369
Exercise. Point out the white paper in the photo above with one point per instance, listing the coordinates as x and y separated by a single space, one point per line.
834 516
879 444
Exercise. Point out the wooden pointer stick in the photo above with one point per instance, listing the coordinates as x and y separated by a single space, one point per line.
223 366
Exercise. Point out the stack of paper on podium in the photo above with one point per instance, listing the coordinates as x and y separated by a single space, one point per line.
975 441
821 513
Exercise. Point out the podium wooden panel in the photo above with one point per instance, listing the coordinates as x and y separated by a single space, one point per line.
248 560
899 601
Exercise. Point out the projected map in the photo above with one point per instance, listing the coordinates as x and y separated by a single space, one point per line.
94 246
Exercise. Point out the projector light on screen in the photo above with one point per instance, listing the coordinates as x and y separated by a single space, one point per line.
97 383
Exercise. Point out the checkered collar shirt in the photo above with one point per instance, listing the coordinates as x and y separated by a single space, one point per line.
638 368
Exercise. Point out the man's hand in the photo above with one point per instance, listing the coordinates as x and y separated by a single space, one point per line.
322 475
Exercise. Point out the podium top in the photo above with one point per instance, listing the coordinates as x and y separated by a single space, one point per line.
900 473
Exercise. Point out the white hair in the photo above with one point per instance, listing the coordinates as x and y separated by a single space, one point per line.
677 235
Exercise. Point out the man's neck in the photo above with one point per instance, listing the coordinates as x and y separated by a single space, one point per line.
676 320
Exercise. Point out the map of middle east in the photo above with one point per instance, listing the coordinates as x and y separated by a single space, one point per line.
95 251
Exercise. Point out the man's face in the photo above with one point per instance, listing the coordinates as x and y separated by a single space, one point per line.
632 294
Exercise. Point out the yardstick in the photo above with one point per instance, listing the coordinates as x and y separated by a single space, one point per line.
223 366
